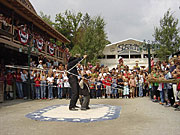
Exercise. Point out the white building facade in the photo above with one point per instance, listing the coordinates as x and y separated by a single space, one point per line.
129 49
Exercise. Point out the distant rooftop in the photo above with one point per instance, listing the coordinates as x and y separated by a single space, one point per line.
123 41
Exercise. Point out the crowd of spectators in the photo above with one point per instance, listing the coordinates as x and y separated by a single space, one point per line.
49 80
5 22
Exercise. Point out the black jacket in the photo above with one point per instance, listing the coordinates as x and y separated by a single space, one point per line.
72 62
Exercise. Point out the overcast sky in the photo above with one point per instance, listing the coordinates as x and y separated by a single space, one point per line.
124 18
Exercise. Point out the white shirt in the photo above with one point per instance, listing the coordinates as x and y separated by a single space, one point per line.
40 66
50 80
66 81
60 83
23 77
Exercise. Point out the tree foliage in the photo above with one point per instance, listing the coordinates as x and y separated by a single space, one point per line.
166 36
46 18
87 34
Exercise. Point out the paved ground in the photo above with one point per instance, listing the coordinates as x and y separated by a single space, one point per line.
138 117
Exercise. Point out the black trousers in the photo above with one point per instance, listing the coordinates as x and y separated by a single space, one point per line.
171 96
73 81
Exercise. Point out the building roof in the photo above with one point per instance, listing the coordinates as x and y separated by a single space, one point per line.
123 41
25 9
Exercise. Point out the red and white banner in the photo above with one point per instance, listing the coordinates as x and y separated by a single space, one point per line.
39 43
51 49
23 36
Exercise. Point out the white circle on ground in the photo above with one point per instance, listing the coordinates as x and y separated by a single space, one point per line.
97 112
63 112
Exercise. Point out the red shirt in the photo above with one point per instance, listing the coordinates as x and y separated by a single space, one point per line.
108 81
104 83
127 75
9 79
178 87
18 77
37 82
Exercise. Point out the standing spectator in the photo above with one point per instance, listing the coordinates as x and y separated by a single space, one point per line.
40 65
103 86
161 90
37 85
55 64
24 77
137 85
152 62
114 87
168 92
98 88
9 91
141 83
126 88
50 81
155 86
176 74
48 63
32 76
120 84
60 85
66 86
108 81
55 89
43 84
19 83
132 84
92 87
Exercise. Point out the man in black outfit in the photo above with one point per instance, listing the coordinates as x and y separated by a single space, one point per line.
73 81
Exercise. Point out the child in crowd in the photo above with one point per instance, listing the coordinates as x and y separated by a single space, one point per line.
37 85
103 87
50 81
108 80
66 86
126 88
60 85
43 84
141 83
132 84
98 88
9 83
120 85
114 87
160 89
92 87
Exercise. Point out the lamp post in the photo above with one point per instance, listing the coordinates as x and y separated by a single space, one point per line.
29 81
148 48
149 56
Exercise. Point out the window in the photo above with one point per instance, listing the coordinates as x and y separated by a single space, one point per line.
101 57
111 56
135 56
123 56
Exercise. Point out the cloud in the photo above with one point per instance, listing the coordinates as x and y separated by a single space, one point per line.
124 18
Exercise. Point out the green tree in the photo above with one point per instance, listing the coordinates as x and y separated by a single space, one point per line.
87 34
166 36
46 18
68 24
92 38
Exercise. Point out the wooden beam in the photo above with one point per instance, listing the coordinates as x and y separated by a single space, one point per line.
5 33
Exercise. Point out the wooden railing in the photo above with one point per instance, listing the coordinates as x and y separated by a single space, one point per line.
14 31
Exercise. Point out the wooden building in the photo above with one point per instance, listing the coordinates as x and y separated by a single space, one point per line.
21 28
